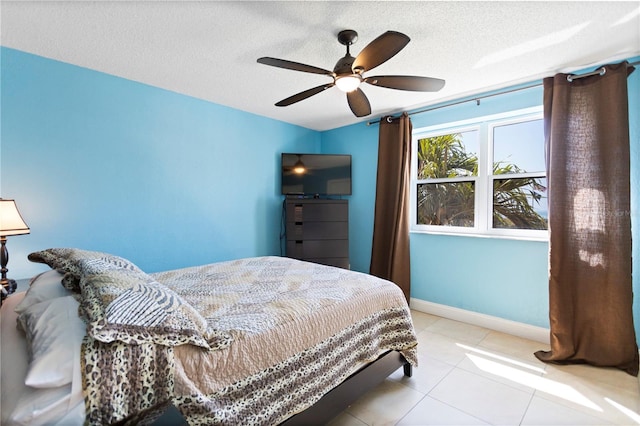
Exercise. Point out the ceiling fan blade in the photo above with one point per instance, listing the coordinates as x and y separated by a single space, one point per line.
296 66
358 103
380 50
407 82
304 95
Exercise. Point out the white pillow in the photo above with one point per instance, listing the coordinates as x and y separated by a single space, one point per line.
54 335
45 286
42 406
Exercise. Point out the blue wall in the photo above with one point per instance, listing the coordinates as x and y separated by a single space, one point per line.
169 181
361 142
166 180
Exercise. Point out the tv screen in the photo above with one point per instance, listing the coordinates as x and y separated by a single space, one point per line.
316 174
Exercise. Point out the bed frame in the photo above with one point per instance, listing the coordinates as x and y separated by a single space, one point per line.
356 385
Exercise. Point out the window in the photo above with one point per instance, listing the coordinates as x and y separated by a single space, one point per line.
484 177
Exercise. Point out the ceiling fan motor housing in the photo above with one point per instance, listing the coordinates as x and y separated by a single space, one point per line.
343 66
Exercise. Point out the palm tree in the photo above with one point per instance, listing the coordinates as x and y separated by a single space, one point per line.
452 203
445 157
514 199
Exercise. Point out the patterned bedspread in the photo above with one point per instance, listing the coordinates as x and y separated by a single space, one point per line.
252 341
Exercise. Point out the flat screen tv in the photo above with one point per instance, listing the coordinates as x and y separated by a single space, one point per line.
316 174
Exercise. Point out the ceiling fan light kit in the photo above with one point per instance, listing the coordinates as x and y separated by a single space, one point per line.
348 72
348 83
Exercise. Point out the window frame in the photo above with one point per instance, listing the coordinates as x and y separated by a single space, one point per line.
483 182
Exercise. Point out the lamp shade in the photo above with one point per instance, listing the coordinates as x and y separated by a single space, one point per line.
11 222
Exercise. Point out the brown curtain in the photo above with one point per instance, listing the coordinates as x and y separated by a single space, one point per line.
590 293
390 251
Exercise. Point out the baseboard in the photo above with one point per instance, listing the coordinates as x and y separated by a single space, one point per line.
531 332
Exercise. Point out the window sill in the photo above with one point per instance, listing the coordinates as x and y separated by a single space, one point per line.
535 238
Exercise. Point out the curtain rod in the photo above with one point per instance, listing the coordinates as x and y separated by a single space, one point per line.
570 78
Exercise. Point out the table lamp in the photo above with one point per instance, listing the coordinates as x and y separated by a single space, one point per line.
11 223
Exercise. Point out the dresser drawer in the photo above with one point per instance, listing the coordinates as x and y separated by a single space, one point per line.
307 249
317 230
317 212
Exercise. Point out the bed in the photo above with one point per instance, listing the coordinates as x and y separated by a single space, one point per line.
265 341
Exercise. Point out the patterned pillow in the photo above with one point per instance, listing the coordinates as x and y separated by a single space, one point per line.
121 302
67 261
133 308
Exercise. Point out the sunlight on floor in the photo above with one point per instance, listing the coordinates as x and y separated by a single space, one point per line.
503 358
624 410
531 380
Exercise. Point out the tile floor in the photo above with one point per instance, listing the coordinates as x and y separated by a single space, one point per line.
470 375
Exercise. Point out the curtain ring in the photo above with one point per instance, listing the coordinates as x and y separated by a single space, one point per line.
600 72
389 119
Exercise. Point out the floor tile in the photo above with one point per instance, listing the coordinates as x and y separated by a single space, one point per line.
542 412
458 330
589 373
513 345
486 399
386 404
468 375
422 320
617 403
520 374
426 376
432 412
440 347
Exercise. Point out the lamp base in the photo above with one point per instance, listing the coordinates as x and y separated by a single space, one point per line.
8 287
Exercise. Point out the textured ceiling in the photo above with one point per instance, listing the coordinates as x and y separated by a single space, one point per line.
208 49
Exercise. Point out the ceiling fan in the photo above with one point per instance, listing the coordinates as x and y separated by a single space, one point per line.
348 72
